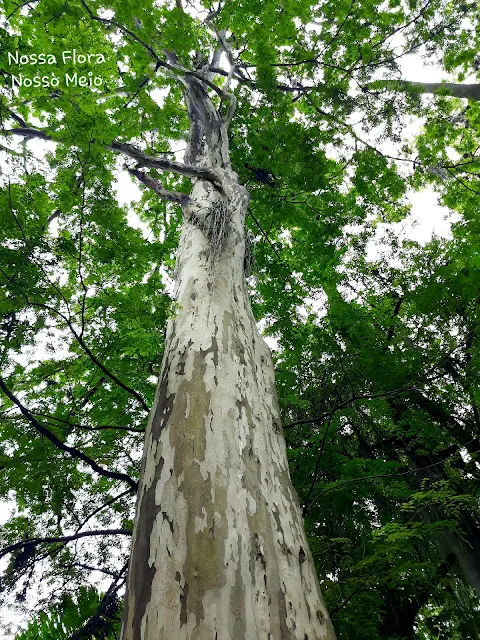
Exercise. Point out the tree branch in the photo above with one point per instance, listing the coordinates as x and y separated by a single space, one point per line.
81 342
349 401
230 95
101 507
470 91
172 68
89 568
72 451
28 132
306 504
20 6
73 425
56 214
171 196
124 30
83 534
89 353
87 629
142 158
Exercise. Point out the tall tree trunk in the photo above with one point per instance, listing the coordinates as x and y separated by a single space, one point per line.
219 551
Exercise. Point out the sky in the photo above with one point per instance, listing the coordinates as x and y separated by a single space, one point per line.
427 218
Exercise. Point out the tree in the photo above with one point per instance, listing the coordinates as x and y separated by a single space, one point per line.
257 92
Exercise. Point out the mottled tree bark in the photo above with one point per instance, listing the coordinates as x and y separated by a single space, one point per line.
219 550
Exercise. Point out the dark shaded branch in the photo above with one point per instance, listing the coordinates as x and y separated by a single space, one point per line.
346 600
415 163
72 451
18 119
173 68
461 181
306 504
28 132
145 160
230 95
206 119
89 568
66 424
56 214
111 375
396 311
20 6
142 158
241 79
90 393
77 536
11 152
264 234
155 185
403 26
338 30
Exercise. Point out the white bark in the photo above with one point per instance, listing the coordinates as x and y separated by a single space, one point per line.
457 90
219 550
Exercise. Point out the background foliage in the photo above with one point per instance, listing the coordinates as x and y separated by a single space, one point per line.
377 359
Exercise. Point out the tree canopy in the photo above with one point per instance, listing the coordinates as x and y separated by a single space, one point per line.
377 359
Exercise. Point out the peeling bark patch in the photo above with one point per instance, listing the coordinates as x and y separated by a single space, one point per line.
251 565
169 520
227 321
276 516
204 566
141 574
242 402
283 546
282 611
163 410
238 600
180 370
302 556
161 462
183 604
259 552
239 350
212 349
308 609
